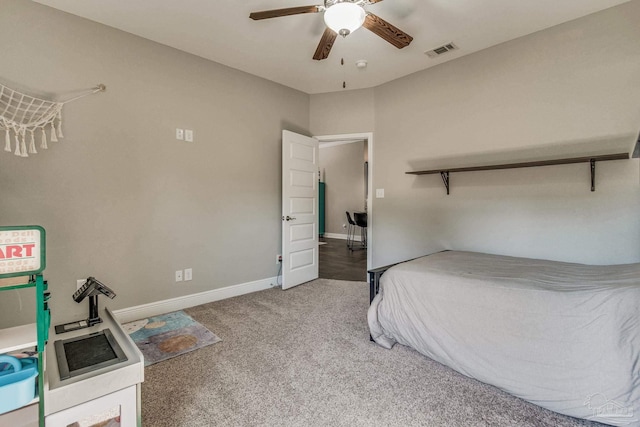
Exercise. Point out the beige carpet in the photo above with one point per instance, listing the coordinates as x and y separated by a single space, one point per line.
302 357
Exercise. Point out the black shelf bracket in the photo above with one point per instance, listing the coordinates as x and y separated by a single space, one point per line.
593 174
445 179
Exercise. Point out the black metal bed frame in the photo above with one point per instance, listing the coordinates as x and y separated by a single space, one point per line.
374 278
374 282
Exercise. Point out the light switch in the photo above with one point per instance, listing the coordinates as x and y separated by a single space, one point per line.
379 193
188 135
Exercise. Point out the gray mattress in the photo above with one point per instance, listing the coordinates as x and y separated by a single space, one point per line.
562 336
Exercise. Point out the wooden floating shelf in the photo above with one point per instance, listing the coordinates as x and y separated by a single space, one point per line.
444 172
619 156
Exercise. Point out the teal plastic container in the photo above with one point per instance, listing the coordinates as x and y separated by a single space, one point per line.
18 382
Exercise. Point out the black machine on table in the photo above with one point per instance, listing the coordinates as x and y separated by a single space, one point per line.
92 289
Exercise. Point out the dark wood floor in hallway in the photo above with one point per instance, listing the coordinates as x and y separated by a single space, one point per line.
339 263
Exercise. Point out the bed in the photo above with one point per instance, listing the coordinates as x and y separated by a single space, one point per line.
562 336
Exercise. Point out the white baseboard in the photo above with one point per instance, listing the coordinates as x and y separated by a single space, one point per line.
166 306
341 236
335 236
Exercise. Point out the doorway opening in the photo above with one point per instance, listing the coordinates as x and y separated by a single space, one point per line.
345 250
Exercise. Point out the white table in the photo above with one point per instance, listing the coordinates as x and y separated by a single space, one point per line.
97 392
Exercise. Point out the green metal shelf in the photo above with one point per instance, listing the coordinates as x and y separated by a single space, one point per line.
31 279
42 331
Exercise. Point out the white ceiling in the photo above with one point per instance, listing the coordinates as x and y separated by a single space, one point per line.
281 49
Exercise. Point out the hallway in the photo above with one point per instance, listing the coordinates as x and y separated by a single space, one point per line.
339 263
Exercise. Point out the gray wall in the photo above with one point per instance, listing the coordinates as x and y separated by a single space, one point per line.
572 84
342 169
342 112
120 197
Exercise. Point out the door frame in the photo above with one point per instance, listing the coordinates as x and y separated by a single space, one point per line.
328 140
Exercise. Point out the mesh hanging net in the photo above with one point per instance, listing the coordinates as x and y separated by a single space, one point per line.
23 118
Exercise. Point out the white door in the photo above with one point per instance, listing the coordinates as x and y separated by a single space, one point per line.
299 209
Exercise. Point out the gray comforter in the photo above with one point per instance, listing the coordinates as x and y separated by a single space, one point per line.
562 336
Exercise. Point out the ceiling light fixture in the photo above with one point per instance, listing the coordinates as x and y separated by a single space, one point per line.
344 17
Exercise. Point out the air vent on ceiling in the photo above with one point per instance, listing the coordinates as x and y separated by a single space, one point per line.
441 50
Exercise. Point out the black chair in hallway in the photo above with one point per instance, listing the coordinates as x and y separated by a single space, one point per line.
361 221
351 231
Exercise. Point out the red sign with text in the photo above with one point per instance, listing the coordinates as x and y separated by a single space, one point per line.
22 250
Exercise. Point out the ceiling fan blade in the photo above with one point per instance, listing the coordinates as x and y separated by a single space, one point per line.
265 14
382 28
325 45
373 1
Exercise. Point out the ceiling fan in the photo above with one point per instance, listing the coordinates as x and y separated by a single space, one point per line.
343 17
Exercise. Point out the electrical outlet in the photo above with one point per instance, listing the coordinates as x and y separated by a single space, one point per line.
80 283
188 135
179 276
180 134
188 274
344 226
278 259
